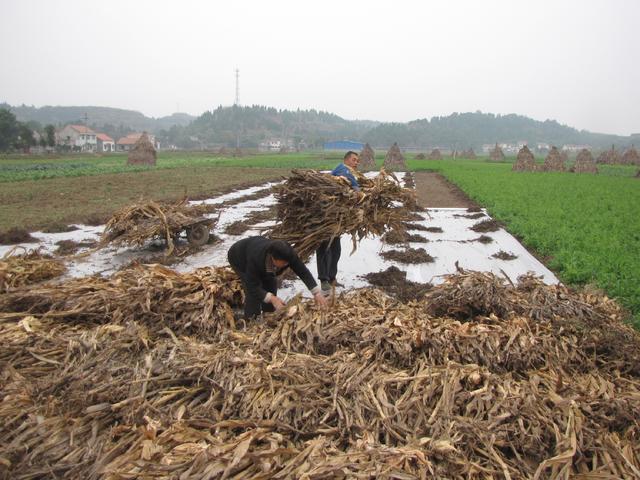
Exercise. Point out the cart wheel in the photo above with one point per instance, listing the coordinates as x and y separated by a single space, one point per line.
198 235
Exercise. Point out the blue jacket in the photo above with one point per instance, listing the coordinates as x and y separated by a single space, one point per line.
343 171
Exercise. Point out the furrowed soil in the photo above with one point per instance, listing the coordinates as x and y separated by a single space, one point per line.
41 203
435 191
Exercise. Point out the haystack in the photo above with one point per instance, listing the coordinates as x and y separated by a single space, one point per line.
525 162
435 154
143 152
631 157
421 156
314 207
496 154
585 163
553 162
564 156
609 157
367 159
470 154
394 160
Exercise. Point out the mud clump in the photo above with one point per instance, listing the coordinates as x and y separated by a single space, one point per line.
502 255
397 236
69 247
16 235
414 226
486 239
434 230
410 255
489 225
394 283
60 228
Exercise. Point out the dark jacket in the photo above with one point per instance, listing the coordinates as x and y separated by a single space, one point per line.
248 257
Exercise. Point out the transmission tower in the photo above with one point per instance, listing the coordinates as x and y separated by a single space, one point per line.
237 87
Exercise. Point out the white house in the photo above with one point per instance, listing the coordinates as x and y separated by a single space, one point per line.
105 143
78 137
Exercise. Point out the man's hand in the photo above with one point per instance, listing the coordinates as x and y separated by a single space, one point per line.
277 303
321 301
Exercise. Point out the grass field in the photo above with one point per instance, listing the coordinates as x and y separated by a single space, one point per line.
585 227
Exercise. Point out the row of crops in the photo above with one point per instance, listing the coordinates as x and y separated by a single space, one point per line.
585 227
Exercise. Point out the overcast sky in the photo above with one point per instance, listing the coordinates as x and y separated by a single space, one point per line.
577 62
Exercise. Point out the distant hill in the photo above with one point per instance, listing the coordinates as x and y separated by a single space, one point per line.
464 130
115 122
255 124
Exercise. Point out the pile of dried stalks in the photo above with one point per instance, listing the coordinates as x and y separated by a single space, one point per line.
609 157
584 163
367 159
631 157
138 223
525 162
394 160
496 154
435 154
480 379
195 302
18 269
143 152
314 207
553 162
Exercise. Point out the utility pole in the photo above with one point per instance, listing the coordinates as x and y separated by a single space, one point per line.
237 105
237 88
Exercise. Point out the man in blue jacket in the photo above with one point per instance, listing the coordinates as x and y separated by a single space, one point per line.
257 261
328 254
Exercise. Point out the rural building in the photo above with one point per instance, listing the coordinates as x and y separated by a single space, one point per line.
126 143
344 145
77 137
105 143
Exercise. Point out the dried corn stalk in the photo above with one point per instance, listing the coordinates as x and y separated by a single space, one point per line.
137 224
26 268
314 207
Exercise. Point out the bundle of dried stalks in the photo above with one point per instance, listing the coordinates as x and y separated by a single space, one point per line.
138 223
631 157
201 301
394 160
367 159
371 388
553 162
314 207
584 163
143 152
524 161
26 268
496 154
421 156
435 154
609 157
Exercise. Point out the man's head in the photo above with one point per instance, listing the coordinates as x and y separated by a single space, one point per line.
281 253
351 159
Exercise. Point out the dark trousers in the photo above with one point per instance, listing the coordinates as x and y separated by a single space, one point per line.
327 256
254 306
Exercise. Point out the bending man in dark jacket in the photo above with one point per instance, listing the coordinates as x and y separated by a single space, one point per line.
328 253
257 261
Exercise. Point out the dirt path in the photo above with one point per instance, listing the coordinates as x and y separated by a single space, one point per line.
434 191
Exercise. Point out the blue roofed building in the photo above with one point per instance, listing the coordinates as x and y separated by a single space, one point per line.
344 145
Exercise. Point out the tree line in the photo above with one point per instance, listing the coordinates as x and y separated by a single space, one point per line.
21 136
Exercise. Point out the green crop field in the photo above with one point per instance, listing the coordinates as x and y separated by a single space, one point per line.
14 169
585 227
